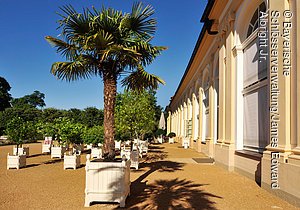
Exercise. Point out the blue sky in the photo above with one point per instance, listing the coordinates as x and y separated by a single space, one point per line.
26 58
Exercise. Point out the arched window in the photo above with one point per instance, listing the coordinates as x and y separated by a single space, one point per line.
253 25
255 91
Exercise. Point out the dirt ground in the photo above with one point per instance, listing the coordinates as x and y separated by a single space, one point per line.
168 178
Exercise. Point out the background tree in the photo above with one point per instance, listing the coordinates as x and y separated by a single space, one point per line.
27 108
157 108
109 44
16 131
5 97
91 116
25 113
69 132
34 100
74 114
50 114
46 129
93 135
135 114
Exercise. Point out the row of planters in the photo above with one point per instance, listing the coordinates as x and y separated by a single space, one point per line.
66 134
160 133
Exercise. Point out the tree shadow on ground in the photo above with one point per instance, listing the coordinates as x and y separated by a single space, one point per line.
32 165
139 187
153 147
170 194
53 161
166 194
81 166
86 151
35 155
155 154
153 157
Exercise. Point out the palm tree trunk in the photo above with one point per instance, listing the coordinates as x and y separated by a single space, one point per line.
110 92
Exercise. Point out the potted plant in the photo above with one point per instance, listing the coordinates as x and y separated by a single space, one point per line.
16 131
71 160
69 134
60 146
171 136
159 133
94 136
48 131
98 52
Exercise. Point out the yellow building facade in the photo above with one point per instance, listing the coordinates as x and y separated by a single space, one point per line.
237 100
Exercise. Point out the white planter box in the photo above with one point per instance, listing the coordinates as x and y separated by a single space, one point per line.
89 146
133 156
171 140
134 146
118 145
160 140
57 152
46 148
143 147
16 161
107 182
126 153
96 152
21 151
48 140
71 161
134 159
186 143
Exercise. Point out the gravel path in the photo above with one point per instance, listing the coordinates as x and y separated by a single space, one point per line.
168 178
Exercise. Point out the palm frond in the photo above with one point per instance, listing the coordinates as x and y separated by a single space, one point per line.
120 53
140 20
82 68
70 51
140 80
148 52
107 19
74 24
99 41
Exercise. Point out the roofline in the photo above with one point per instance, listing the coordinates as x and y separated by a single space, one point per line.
207 10
205 27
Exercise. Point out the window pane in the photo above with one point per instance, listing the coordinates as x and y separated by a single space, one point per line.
256 119
253 69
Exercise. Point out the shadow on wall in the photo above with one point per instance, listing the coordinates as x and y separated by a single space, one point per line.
258 174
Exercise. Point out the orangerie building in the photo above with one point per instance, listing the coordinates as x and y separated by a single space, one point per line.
237 100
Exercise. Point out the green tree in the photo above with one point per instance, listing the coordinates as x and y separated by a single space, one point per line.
34 100
135 114
109 44
67 131
93 135
158 108
25 113
16 131
74 114
92 116
46 129
50 114
5 97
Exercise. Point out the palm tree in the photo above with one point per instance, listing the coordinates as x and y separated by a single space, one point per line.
109 44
